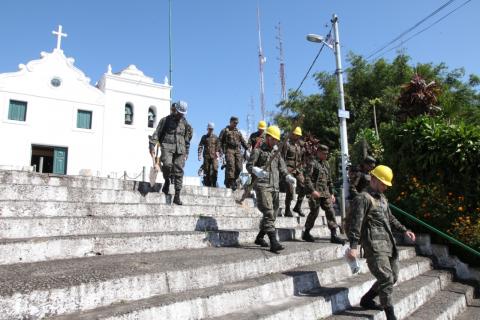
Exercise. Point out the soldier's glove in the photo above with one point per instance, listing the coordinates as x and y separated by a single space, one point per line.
259 172
291 180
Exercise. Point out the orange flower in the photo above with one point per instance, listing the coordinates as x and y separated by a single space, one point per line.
460 208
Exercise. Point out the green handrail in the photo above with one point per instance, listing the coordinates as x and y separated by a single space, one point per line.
440 233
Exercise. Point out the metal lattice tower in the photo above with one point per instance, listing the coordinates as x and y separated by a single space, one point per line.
261 61
283 91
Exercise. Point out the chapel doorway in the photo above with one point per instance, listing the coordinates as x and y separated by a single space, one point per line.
48 159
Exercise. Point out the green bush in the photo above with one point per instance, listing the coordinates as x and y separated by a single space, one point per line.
436 172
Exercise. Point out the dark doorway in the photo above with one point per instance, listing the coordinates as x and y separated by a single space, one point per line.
49 159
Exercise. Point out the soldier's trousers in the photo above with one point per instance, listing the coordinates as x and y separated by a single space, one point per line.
234 163
326 205
172 165
268 204
385 269
210 169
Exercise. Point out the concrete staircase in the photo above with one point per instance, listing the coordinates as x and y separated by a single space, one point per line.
93 248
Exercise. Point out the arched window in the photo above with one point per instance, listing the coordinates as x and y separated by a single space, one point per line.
128 113
152 116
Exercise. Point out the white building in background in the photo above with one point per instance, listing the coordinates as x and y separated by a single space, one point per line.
52 118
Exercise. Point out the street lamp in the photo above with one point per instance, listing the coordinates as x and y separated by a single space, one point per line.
342 113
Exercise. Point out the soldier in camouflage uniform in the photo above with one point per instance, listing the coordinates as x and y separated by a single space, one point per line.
256 138
173 133
319 187
371 227
293 154
209 149
267 186
359 176
232 141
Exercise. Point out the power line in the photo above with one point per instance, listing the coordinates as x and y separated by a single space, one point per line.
411 28
423 30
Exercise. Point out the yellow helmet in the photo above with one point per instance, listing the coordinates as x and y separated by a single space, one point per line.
274 132
384 174
262 125
297 131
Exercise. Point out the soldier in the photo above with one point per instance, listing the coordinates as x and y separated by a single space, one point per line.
318 185
232 141
267 186
256 138
209 147
293 153
173 133
359 176
371 227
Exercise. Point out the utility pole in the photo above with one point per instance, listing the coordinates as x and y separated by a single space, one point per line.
342 114
261 61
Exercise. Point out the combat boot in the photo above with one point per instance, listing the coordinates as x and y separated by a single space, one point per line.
390 313
288 212
307 236
298 208
275 246
176 198
368 303
260 241
334 238
166 187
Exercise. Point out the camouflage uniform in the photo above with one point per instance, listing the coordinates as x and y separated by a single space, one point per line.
371 227
267 189
294 156
231 141
317 178
174 135
255 140
209 147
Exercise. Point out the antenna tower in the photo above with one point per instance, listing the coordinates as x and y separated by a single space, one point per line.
283 92
261 61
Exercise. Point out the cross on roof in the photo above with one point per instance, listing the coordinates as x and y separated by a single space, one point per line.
59 36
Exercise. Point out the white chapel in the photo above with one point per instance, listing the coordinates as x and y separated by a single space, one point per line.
53 120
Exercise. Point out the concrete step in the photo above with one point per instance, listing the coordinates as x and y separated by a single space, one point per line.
62 193
67 247
447 304
414 287
407 296
12 228
220 300
12 178
472 311
37 290
29 208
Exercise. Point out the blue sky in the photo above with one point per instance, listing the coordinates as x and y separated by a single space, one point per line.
215 53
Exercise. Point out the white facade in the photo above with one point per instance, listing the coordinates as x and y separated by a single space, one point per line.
109 148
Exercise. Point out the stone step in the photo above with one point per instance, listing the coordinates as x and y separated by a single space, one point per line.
68 247
414 289
11 178
219 300
472 311
407 296
447 304
12 228
37 290
62 193
29 208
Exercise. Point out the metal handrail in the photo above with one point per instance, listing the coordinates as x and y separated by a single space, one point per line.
431 228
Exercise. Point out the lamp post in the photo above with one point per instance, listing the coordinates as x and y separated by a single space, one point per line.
342 113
